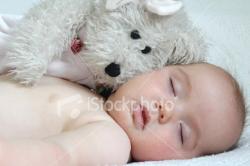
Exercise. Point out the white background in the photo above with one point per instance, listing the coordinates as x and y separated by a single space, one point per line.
15 6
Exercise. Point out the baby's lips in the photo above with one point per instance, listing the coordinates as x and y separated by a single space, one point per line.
137 107
137 117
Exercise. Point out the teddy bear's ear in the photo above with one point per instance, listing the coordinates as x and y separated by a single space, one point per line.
114 4
160 7
163 7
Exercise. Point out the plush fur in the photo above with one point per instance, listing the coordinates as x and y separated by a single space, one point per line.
48 29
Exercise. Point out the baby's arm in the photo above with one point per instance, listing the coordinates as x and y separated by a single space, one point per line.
32 152
99 143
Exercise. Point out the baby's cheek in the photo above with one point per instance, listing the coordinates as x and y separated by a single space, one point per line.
154 147
164 150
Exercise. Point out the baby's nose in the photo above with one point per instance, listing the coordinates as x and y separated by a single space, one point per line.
165 111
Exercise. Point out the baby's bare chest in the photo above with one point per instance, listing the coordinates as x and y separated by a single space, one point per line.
41 119
47 110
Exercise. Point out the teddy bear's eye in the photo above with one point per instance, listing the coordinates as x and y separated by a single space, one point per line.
135 35
146 50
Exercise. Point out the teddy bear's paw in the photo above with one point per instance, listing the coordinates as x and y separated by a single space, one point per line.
24 77
27 74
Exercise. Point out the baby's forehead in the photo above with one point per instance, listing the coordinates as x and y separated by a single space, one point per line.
213 85
208 69
203 65
228 116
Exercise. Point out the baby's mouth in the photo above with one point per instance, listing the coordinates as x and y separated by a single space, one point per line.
141 116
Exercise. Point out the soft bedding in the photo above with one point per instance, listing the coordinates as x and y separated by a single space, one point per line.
226 28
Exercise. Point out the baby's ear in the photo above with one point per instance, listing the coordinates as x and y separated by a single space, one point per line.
114 4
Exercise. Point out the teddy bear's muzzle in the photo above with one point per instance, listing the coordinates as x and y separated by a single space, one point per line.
113 70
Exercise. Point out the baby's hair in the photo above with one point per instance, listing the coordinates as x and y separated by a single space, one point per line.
239 99
239 96
241 105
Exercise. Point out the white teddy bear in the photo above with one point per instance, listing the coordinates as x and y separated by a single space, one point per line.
101 42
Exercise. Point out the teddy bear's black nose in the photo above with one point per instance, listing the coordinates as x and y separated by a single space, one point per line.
113 70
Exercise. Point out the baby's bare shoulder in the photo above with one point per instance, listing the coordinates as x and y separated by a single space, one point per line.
96 143
113 140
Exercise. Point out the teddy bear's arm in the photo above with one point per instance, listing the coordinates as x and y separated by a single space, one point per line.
44 33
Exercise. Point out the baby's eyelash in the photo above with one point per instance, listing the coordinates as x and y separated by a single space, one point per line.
172 86
181 134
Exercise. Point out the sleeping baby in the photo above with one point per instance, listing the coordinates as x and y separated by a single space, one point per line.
178 112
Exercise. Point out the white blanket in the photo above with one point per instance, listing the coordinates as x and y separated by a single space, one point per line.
226 26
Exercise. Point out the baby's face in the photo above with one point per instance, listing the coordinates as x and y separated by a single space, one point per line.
177 112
